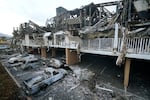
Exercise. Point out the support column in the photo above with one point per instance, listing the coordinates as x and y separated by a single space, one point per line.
43 52
126 73
53 52
71 57
22 49
116 38
30 49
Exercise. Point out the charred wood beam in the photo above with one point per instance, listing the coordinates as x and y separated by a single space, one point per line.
141 25
100 12
37 26
108 13
108 4
90 14
81 19
124 14
85 17
129 10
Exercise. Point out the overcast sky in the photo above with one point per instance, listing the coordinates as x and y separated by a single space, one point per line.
14 12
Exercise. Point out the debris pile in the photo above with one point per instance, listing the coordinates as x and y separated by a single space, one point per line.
79 83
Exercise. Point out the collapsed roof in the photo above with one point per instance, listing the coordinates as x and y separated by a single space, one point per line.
95 20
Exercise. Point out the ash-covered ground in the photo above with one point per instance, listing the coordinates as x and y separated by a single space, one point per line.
95 78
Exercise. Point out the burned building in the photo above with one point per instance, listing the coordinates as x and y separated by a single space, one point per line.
94 29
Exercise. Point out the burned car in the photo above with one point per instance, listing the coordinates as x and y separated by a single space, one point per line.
49 76
20 57
32 63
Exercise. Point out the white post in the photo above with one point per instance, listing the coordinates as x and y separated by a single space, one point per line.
55 39
116 37
21 48
46 41
88 44
148 47
99 43
27 39
141 45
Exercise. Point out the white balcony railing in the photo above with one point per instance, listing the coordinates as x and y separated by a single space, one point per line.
138 45
103 44
134 45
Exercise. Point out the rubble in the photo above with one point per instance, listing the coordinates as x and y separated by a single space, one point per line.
55 63
79 83
32 63
73 87
121 57
98 87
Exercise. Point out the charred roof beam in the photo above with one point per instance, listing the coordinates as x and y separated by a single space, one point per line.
108 4
37 26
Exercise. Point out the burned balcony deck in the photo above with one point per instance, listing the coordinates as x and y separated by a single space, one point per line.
138 48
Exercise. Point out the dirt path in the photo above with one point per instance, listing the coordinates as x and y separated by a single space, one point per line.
8 89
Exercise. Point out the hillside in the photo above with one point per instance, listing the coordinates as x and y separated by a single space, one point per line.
5 35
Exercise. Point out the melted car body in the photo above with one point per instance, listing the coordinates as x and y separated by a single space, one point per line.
49 76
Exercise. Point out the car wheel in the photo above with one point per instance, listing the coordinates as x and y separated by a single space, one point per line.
44 86
29 67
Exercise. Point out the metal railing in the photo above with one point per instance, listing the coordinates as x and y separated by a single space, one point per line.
104 44
63 44
138 45
33 43
134 45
